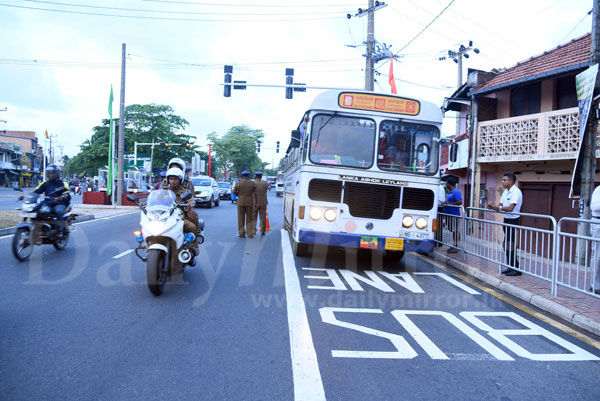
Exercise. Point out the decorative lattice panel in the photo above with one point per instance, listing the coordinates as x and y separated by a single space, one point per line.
563 133
509 139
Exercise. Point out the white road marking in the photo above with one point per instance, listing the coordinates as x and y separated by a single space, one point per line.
308 384
451 281
123 254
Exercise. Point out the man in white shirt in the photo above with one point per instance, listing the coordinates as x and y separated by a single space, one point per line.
510 204
595 232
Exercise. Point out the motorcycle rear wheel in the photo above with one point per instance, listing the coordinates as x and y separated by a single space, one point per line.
155 274
21 245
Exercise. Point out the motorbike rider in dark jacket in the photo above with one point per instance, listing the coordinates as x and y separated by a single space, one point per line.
48 187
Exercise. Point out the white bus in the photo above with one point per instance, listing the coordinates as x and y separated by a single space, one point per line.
361 171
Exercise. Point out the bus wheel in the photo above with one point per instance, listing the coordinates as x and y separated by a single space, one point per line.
394 256
300 249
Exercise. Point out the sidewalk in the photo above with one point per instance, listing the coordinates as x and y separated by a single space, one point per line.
575 307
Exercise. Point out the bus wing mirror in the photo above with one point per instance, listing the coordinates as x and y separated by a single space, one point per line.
295 143
453 152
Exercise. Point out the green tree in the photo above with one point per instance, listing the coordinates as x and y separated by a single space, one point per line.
143 124
236 150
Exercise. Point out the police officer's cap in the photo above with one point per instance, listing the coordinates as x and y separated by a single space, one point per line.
258 173
245 172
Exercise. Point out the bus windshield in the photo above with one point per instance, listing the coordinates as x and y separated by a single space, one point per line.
342 141
408 147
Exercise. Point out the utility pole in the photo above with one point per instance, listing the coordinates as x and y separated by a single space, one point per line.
457 56
121 146
589 155
370 59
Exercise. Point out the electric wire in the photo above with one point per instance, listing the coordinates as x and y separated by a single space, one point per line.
179 12
575 27
143 17
195 3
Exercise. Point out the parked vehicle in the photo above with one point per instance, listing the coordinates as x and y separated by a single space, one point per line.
39 225
162 243
207 191
224 190
279 185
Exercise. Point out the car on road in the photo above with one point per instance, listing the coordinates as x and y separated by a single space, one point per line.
224 190
207 191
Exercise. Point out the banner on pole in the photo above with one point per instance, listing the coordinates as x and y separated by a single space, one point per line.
110 146
584 83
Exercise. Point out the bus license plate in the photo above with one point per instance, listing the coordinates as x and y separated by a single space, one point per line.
394 244
368 242
31 215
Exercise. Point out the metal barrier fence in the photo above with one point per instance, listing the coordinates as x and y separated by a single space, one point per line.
577 260
563 259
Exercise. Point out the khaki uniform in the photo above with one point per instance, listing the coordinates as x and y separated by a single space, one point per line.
245 189
260 204
190 219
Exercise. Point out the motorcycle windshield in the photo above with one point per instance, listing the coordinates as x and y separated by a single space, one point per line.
31 197
160 200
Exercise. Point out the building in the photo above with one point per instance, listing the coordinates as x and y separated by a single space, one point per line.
20 158
526 121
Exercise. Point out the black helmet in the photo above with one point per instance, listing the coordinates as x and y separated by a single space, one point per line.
54 170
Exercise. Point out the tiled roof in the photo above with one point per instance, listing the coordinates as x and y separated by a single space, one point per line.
572 53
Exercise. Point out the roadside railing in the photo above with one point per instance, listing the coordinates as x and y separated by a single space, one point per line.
559 257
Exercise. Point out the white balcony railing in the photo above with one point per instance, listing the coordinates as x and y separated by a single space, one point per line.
543 136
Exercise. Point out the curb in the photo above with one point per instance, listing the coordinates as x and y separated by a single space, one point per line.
538 301
78 219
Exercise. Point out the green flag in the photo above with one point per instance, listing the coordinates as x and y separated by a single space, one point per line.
109 178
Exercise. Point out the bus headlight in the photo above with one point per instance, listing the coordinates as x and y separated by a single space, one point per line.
421 223
315 213
330 215
407 221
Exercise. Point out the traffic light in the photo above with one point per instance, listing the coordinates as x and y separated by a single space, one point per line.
187 143
227 87
258 147
289 80
166 143
277 150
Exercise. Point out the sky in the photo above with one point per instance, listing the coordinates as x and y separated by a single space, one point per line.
60 58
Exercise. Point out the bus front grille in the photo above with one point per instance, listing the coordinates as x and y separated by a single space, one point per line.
325 190
417 199
370 200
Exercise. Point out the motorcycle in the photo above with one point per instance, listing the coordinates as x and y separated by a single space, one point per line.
161 241
77 190
39 225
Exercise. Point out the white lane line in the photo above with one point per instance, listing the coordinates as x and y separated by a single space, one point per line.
122 254
307 377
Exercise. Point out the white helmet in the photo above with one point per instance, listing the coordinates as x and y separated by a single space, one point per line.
175 172
178 161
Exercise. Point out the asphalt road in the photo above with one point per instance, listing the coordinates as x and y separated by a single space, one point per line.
252 322
8 198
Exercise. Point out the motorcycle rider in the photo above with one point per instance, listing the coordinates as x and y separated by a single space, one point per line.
174 182
48 187
180 164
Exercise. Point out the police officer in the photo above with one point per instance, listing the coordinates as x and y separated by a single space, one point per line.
190 221
245 189
48 187
260 201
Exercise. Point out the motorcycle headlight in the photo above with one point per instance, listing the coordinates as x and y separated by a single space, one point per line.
156 227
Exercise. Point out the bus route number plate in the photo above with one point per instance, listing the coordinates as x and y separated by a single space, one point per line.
368 242
394 244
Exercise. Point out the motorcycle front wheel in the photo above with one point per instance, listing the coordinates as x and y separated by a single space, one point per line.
155 271
21 244
62 243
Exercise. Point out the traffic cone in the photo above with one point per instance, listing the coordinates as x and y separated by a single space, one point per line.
268 228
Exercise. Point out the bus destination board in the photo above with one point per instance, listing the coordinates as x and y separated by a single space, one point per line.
383 103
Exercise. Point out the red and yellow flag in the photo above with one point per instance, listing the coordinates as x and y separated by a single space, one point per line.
47 137
391 77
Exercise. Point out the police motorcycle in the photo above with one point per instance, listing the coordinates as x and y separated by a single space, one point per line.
40 225
161 241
